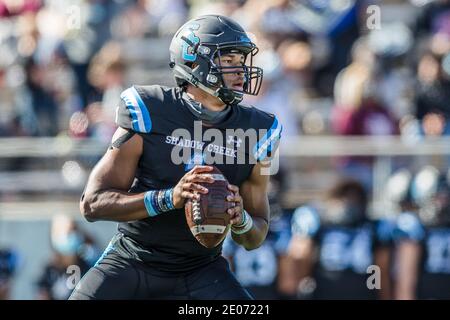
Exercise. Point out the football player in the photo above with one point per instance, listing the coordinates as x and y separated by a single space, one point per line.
423 238
71 246
334 243
139 184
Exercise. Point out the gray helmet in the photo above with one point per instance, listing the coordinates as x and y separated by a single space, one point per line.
195 46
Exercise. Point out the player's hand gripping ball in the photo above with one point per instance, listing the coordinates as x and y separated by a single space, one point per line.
206 215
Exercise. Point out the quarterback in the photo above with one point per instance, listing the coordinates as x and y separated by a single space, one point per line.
138 184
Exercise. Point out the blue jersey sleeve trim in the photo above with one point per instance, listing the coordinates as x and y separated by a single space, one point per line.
267 143
385 230
141 121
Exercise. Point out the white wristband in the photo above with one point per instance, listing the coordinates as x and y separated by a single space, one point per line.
245 226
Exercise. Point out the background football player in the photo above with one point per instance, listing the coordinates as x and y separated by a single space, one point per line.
423 237
334 242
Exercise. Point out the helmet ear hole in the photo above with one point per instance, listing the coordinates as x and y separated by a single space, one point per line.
212 79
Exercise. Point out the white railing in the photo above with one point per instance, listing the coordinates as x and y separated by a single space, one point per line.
300 146
383 149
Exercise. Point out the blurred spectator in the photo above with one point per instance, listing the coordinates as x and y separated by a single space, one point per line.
10 8
394 79
371 118
333 243
281 86
278 21
43 103
433 18
106 73
422 235
144 18
72 247
433 93
358 109
350 83
133 22
8 266
331 28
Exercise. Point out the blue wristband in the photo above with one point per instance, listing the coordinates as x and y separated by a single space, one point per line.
149 195
158 201
168 196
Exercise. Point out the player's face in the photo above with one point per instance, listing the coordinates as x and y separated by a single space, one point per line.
233 80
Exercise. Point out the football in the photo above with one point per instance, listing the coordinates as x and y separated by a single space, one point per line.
207 218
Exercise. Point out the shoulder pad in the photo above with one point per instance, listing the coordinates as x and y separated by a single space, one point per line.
409 227
384 229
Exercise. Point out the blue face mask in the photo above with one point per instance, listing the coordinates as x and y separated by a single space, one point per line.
69 244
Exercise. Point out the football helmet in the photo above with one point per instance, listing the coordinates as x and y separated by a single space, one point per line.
431 191
194 48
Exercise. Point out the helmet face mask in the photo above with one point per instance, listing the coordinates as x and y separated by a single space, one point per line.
252 75
196 52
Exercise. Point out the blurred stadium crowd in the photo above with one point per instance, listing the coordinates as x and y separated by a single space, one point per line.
64 63
329 69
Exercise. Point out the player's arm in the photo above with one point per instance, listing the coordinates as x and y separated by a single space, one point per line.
408 257
298 264
251 196
302 250
382 258
106 195
409 235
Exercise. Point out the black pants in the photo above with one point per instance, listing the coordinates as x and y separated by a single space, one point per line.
119 277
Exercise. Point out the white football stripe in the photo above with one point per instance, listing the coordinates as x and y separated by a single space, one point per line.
218 177
207 228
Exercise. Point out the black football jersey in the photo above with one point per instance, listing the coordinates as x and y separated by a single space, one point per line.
344 253
434 270
174 140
